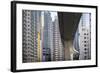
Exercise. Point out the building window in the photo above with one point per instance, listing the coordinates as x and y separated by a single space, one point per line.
84 37
85 49
85 52
84 33
85 57
28 21
28 25
85 45
84 41
83 29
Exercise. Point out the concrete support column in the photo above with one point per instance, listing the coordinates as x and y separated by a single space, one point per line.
69 49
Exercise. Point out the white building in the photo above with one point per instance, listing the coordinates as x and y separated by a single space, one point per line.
85 37
57 44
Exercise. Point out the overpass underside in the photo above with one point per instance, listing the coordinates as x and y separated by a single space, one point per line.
68 23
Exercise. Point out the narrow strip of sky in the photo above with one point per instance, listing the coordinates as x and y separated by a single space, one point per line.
53 15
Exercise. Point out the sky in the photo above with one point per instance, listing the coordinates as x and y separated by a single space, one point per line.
53 14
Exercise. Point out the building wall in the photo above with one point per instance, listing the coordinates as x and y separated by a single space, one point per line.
85 37
47 40
52 45
35 35
57 44
31 36
28 52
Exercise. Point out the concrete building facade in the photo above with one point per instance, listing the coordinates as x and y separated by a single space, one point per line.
85 36
28 49
31 36
58 50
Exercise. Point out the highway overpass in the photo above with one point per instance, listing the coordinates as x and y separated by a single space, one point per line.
68 23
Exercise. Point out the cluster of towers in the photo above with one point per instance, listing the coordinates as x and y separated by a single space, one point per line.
42 39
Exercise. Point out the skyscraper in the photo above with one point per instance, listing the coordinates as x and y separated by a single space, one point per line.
47 36
85 37
28 49
58 50
36 18
31 36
